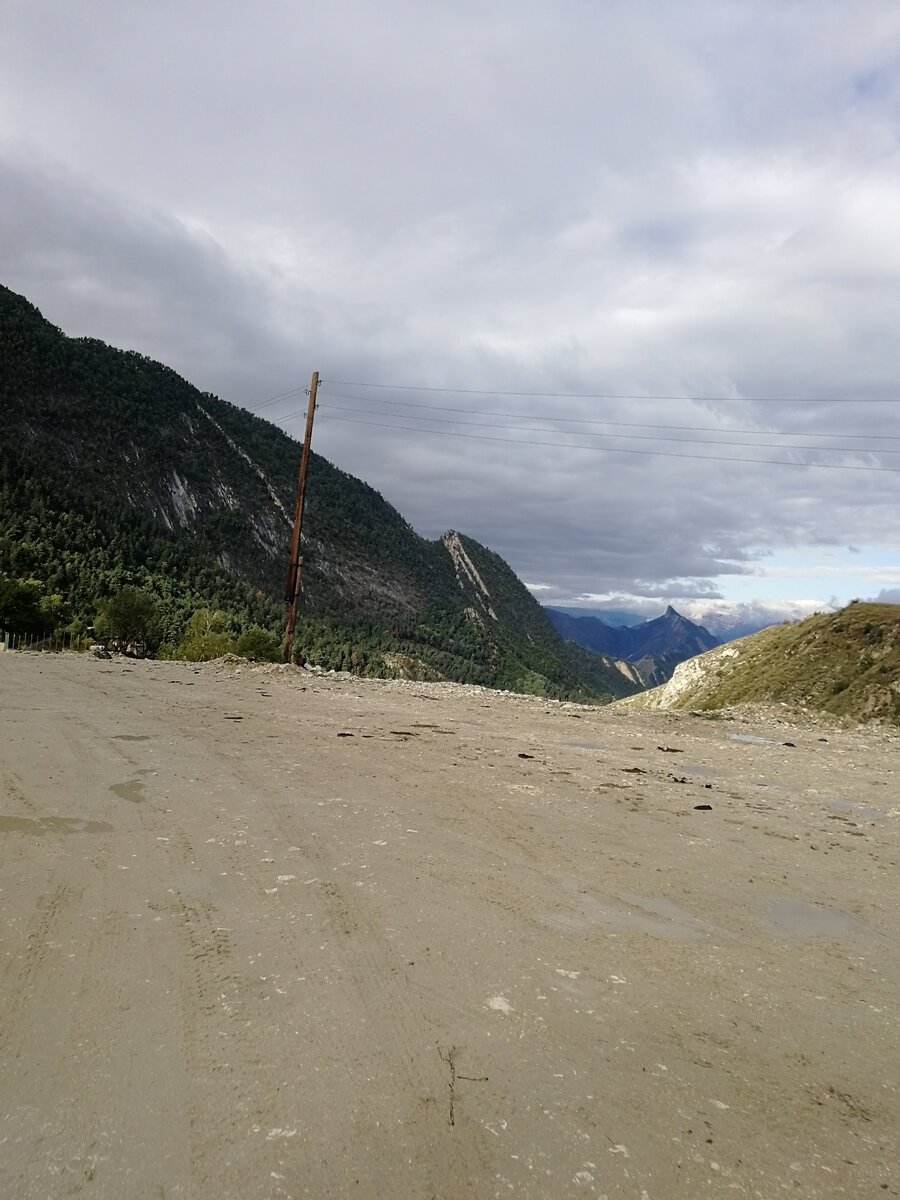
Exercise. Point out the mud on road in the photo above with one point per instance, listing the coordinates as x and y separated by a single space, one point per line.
267 934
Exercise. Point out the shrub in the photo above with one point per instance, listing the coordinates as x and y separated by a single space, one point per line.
258 644
207 636
131 617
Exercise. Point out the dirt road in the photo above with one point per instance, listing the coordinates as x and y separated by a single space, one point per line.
264 934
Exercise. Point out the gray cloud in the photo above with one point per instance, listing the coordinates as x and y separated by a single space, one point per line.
643 200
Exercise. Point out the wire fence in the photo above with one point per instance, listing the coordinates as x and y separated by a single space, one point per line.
55 642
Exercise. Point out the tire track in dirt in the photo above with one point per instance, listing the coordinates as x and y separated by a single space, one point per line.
28 973
392 1045
14 791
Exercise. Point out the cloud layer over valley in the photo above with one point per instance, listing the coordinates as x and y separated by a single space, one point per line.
612 288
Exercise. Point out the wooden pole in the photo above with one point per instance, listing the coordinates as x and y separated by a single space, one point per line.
292 586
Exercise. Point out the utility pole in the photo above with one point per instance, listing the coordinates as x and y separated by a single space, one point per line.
292 586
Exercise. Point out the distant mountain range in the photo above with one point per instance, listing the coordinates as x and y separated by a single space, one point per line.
654 648
723 620
115 472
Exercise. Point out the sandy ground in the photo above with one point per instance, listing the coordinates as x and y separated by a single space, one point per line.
266 934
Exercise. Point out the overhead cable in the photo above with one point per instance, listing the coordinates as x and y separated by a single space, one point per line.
643 437
616 424
410 387
620 449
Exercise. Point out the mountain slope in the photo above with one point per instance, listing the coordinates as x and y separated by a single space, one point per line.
609 616
846 663
115 471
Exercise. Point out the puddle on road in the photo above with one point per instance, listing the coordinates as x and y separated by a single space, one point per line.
857 810
641 914
753 738
690 768
131 790
38 825
585 745
798 919
131 737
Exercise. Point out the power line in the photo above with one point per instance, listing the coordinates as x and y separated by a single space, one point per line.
633 436
281 396
774 462
600 421
582 420
409 387
623 425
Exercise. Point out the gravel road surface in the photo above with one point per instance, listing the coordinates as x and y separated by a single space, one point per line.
270 934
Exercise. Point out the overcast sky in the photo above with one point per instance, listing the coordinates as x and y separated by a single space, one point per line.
653 249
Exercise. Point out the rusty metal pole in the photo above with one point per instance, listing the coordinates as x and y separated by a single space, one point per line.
292 586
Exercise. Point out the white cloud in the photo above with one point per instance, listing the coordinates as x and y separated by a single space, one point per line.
833 571
728 620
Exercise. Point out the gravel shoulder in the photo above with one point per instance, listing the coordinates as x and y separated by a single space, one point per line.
271 934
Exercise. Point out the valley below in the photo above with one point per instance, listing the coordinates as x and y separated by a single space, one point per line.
272 933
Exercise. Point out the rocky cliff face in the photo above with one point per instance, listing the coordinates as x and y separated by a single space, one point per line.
695 681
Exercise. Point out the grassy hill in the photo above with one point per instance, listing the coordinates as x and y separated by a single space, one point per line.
845 663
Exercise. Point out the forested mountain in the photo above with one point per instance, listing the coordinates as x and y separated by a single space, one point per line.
117 473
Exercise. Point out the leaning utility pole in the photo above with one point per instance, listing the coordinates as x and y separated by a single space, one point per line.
292 587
